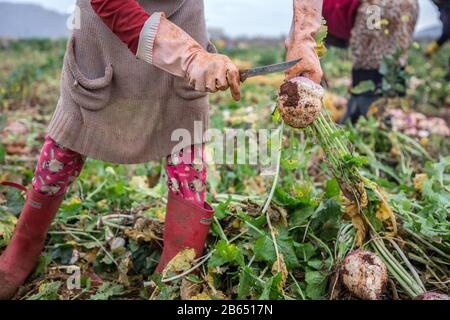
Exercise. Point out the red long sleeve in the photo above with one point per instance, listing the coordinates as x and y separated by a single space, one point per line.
124 17
340 16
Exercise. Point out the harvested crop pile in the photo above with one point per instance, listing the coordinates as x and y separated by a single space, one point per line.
364 274
300 102
417 124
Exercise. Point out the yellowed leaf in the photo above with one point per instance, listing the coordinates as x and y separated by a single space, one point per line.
181 262
201 296
424 141
361 230
350 208
321 49
353 211
280 266
145 235
236 223
363 201
385 214
74 200
160 215
418 181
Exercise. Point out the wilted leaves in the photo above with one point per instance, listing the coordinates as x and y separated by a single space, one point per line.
191 290
145 230
354 212
279 267
181 262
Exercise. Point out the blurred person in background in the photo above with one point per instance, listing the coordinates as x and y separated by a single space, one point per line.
354 24
444 11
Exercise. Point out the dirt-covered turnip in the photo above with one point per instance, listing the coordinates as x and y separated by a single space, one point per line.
300 102
364 274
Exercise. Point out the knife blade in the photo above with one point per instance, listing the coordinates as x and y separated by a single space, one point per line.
245 74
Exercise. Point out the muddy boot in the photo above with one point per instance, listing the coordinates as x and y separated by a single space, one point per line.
359 104
186 226
23 251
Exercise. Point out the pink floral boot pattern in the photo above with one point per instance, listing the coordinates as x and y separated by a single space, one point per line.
57 168
186 174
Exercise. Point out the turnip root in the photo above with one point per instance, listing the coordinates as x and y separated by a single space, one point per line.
364 274
432 296
300 102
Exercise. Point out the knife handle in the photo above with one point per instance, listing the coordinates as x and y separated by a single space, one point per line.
243 75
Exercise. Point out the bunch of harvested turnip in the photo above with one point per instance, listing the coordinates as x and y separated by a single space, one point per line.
300 106
300 102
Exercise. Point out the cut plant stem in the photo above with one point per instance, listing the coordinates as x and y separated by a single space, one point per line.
221 232
408 264
409 284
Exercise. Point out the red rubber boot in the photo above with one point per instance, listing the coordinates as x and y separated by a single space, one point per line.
25 247
186 226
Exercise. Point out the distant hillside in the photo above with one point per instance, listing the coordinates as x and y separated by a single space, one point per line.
31 21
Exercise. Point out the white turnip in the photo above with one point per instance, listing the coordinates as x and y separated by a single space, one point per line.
300 102
364 274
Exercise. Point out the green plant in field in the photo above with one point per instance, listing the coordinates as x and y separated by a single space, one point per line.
20 82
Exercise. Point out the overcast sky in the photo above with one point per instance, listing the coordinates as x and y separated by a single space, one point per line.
249 17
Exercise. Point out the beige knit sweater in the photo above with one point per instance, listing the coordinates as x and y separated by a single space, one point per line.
118 108
370 45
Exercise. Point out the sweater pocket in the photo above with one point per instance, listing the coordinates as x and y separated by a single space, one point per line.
90 94
185 91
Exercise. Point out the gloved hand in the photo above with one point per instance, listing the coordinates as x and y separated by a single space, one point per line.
301 40
174 51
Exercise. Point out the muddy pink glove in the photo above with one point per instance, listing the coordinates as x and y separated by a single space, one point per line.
166 46
301 40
